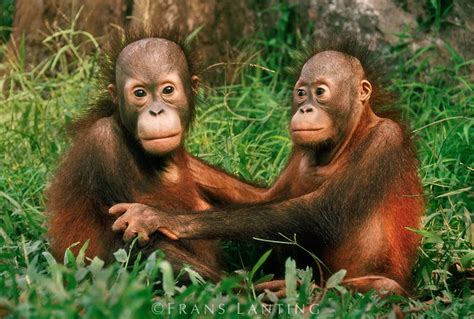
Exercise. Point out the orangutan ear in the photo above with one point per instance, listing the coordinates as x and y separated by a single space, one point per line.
195 84
365 90
113 93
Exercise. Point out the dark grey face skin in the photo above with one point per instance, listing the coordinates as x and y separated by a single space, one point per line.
152 92
328 99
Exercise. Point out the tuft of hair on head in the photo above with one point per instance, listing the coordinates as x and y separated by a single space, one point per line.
376 72
122 38
119 39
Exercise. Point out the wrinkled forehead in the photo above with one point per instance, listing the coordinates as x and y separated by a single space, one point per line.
152 55
332 64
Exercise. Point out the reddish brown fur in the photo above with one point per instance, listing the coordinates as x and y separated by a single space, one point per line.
105 166
350 188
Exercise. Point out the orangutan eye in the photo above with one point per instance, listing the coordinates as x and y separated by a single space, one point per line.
320 91
139 93
301 92
168 89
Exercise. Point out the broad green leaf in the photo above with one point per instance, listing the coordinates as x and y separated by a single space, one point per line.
121 255
168 278
291 278
336 278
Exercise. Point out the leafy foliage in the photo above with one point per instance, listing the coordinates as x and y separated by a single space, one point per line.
6 18
242 128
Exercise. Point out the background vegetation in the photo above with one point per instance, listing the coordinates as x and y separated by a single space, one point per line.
242 127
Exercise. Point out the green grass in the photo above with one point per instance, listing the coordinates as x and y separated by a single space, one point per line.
243 129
